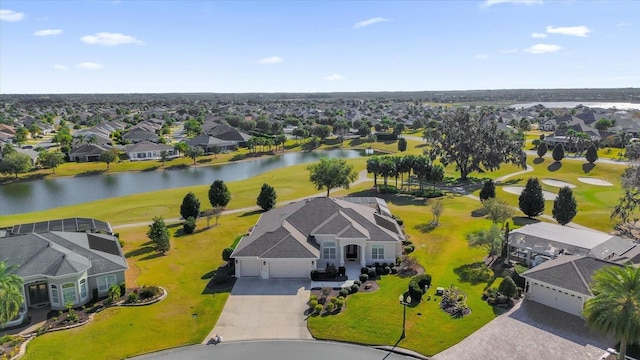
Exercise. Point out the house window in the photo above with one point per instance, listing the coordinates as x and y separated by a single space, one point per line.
329 250
69 293
377 252
104 282
55 297
83 288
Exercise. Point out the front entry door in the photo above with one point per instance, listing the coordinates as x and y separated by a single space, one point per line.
351 252
38 294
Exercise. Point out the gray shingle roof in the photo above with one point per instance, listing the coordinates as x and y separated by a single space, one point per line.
568 272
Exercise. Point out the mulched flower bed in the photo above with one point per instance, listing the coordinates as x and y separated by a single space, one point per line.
452 307
10 345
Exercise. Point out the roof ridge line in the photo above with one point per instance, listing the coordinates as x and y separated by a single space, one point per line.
584 281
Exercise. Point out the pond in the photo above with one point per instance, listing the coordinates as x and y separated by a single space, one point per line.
47 194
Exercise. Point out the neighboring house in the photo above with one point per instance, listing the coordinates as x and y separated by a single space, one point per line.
563 283
291 241
88 152
150 151
227 133
207 143
58 267
138 135
550 240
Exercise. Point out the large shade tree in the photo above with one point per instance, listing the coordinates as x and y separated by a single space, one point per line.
50 160
15 163
331 173
615 308
473 142
10 293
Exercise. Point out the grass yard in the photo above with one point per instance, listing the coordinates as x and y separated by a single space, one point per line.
123 332
440 250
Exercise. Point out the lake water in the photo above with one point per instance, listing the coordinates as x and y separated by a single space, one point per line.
47 194
572 104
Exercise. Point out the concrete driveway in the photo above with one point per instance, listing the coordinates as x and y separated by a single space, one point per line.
531 331
264 310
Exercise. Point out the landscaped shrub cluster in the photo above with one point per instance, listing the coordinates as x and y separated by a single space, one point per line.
505 293
330 306
148 292
408 247
453 302
10 346
417 286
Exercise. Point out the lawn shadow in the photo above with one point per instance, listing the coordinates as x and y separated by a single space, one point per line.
588 167
177 167
425 228
91 173
523 220
475 273
478 213
251 213
538 161
208 275
205 161
171 226
420 146
152 168
139 251
511 181
554 166
152 256
218 284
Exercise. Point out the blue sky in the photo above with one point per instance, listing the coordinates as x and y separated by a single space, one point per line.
315 46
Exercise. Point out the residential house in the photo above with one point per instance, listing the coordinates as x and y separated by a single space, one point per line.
150 151
88 152
208 142
228 133
72 264
295 239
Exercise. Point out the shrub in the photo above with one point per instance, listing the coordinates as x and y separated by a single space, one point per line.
407 242
373 273
330 307
149 291
394 271
315 274
313 303
190 225
313 297
114 293
357 282
508 287
423 280
331 271
95 294
364 277
387 270
340 303
343 292
364 270
409 249
334 300
132 298
226 253
123 288
399 220
317 309
415 291
355 288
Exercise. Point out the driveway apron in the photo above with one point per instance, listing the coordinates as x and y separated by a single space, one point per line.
260 309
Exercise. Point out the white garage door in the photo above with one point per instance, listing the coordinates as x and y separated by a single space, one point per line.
556 299
289 269
249 267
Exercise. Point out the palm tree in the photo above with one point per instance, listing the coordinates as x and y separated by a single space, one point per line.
10 293
373 166
616 305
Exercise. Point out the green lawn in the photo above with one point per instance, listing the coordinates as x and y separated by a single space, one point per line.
376 318
122 332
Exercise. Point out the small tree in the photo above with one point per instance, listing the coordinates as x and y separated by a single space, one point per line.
219 194
558 152
488 190
331 173
215 149
114 293
531 200
15 163
542 149
592 154
189 225
508 287
194 152
402 144
109 156
436 209
267 197
159 235
498 210
226 253
51 160
209 213
490 239
564 206
190 206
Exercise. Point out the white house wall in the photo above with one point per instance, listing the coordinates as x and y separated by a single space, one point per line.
389 253
555 297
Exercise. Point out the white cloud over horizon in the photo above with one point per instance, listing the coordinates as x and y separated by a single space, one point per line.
271 60
90 65
536 35
109 39
369 22
580 31
482 56
334 77
48 32
543 48
488 3
10 15
60 67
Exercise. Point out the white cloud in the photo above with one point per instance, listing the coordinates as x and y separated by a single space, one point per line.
482 56
60 67
543 48
536 35
368 22
109 39
90 66
623 24
271 60
508 51
48 32
334 77
581 31
10 15
488 3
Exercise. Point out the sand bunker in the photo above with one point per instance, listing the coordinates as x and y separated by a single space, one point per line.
557 183
594 181
549 196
